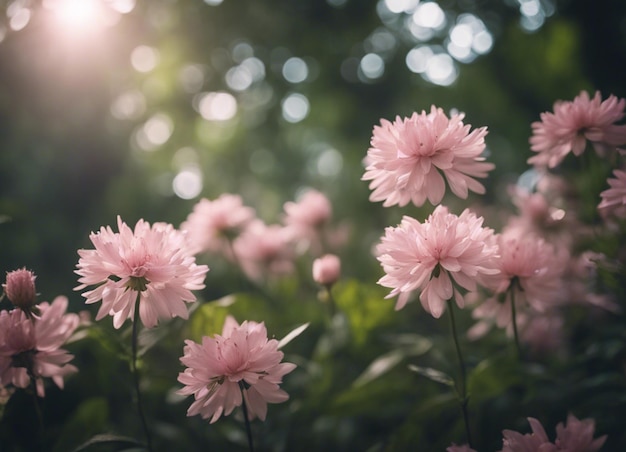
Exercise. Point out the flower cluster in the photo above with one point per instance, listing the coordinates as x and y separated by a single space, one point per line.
262 250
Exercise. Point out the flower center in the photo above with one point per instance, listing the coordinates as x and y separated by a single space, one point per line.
137 283
24 359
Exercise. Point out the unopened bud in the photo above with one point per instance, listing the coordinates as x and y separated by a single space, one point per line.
20 288
326 270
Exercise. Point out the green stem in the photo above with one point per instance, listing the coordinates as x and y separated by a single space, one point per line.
135 372
512 287
332 309
37 409
246 417
462 388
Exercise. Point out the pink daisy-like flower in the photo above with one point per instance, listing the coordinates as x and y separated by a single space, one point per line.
433 255
264 250
531 271
537 441
614 198
534 265
572 124
150 265
240 360
213 223
305 219
31 347
407 158
577 435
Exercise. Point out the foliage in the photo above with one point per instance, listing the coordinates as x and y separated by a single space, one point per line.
74 114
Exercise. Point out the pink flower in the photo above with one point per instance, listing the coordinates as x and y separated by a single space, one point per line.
212 224
326 270
264 250
306 218
31 348
614 198
537 441
150 265
534 265
572 124
219 369
20 288
435 256
577 435
407 158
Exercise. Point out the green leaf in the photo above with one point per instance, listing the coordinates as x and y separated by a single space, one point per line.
292 335
433 374
407 345
208 318
365 306
379 366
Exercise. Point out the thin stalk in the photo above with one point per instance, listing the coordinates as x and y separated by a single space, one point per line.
37 409
512 288
246 417
462 386
332 309
135 373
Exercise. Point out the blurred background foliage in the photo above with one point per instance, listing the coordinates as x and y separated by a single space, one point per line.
140 108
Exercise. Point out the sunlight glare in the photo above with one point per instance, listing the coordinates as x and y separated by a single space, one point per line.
74 13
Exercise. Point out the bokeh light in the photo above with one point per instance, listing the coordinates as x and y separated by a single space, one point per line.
371 67
295 107
295 70
18 16
217 106
188 183
144 58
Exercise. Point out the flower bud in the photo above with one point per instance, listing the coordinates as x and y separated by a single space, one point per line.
326 270
20 288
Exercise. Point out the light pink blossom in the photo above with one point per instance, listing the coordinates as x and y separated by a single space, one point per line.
326 269
435 256
575 436
574 123
20 288
407 158
264 250
241 359
150 265
614 198
212 224
305 219
537 441
530 273
31 347
533 266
